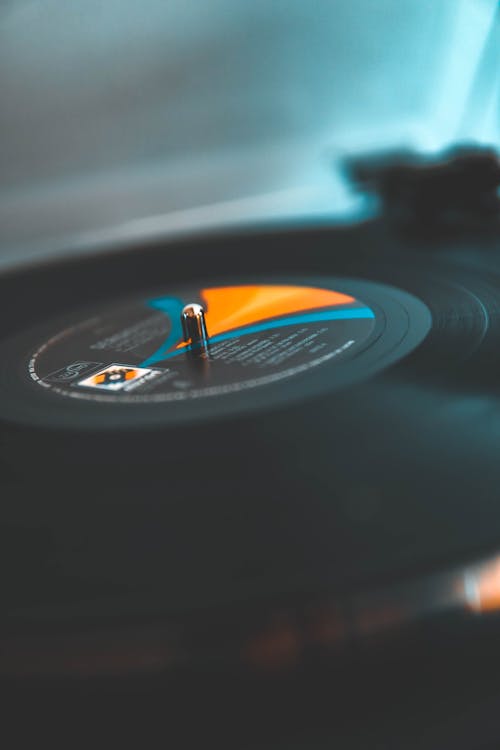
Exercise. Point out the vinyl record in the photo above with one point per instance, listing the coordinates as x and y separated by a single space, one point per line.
333 434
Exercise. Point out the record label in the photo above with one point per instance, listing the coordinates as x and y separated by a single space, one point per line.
256 335
264 343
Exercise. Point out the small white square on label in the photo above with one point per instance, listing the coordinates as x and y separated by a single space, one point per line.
115 377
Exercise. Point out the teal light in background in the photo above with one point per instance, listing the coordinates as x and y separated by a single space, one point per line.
122 118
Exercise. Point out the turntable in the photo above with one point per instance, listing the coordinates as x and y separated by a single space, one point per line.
256 467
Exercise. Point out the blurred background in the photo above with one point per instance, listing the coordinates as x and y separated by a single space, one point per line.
122 120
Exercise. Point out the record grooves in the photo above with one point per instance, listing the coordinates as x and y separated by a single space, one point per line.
323 445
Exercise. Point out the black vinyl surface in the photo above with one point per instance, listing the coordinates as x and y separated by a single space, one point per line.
219 543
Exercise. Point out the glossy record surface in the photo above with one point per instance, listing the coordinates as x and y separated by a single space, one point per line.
323 495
